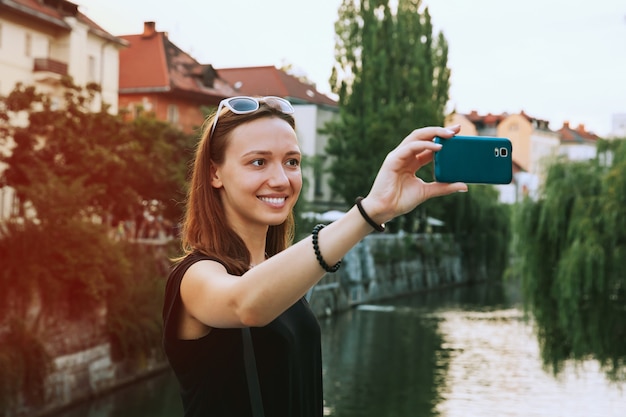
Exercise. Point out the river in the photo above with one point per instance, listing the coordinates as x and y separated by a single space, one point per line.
459 352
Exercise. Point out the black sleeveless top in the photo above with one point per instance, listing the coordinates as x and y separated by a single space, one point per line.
211 371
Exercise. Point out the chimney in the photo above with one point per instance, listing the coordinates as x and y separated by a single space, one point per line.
581 128
149 29
566 124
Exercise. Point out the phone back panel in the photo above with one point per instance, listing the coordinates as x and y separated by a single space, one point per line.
474 159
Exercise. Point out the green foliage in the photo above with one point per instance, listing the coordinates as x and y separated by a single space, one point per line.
571 247
160 161
24 364
391 75
89 163
72 171
134 305
75 267
482 227
71 263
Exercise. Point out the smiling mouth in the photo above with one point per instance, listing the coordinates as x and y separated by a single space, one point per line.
273 200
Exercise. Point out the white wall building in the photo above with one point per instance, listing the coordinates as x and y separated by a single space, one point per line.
43 41
40 42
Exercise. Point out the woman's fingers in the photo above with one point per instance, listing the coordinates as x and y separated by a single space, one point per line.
438 189
429 133
424 158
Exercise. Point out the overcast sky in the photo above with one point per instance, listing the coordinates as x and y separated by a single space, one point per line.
559 60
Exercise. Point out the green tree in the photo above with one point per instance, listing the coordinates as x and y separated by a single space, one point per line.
571 249
72 169
391 76
96 163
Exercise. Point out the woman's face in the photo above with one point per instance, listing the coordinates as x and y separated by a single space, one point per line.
260 179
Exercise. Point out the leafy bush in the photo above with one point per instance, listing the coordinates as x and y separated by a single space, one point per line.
24 364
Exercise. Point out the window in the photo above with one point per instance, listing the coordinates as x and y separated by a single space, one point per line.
28 45
172 113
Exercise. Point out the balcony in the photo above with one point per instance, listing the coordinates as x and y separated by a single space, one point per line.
50 71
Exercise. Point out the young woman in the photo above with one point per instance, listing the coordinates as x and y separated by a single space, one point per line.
241 272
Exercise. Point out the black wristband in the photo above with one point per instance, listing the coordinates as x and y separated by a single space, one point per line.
368 219
318 254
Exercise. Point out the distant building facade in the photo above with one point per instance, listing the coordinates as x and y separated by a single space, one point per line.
535 145
42 41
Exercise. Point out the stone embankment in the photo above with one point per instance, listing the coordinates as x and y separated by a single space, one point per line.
387 266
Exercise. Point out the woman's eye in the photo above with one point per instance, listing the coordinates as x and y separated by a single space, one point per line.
293 162
258 162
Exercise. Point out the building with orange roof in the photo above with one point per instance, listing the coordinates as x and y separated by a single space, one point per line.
577 143
156 76
535 145
269 80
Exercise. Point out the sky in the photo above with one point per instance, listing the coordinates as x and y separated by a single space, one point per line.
556 60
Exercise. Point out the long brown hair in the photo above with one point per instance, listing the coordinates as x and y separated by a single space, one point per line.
205 228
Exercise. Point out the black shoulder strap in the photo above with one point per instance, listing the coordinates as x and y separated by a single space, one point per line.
251 373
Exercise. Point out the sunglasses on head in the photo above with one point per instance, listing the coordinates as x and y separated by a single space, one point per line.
245 105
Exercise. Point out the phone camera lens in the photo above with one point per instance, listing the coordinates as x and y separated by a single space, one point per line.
504 152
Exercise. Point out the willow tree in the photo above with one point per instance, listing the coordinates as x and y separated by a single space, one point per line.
391 76
572 246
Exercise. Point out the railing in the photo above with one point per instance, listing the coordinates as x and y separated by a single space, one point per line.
50 65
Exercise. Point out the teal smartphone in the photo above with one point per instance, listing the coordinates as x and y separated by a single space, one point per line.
474 160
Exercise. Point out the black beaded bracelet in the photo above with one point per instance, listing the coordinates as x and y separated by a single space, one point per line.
318 254
368 219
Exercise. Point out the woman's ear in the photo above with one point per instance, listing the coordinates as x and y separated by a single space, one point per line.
216 182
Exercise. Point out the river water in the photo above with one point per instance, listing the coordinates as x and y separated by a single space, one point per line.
458 352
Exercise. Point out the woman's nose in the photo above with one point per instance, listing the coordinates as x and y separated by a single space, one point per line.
278 176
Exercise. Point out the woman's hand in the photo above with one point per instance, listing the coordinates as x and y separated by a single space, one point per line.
396 189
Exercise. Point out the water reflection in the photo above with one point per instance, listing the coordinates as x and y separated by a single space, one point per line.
495 369
457 352
380 363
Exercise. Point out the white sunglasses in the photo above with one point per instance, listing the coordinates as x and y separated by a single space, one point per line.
245 105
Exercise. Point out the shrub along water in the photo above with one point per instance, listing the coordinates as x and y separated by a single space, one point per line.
74 269
75 174
571 251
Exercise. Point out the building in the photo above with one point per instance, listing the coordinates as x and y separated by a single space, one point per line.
576 144
42 41
535 146
158 77
312 111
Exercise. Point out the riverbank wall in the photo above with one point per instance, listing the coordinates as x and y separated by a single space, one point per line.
380 267
385 266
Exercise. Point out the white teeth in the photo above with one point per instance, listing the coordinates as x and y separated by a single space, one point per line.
272 200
